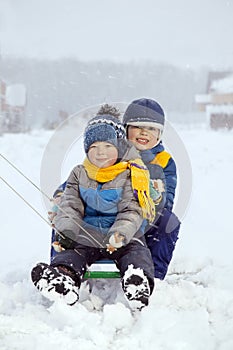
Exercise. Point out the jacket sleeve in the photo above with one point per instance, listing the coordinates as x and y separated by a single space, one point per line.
60 190
171 182
71 208
129 218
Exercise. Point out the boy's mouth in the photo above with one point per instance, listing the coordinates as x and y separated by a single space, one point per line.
102 159
142 141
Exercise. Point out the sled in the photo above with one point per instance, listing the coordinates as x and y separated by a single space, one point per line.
95 270
105 273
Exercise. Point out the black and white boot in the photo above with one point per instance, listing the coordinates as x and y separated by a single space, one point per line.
136 288
55 283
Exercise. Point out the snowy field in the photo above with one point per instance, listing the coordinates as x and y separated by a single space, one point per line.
191 310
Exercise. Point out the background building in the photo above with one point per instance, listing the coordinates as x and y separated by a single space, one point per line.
218 100
12 107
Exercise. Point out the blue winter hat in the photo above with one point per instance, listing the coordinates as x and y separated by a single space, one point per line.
144 111
105 128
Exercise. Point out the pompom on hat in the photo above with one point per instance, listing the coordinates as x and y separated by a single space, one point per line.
144 111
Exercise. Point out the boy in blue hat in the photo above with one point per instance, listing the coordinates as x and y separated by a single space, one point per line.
144 121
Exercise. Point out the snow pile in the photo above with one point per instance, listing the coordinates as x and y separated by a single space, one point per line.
192 309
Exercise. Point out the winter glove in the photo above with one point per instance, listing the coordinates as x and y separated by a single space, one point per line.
53 212
57 247
156 189
155 194
158 185
115 241
65 241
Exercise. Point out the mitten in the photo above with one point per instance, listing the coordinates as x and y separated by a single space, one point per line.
57 247
53 211
154 193
65 241
115 241
158 185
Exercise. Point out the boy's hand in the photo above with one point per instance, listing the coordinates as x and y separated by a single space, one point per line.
115 241
158 185
57 247
53 212
110 249
118 239
51 215
65 240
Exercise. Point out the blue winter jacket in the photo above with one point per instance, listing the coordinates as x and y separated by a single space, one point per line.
169 169
100 209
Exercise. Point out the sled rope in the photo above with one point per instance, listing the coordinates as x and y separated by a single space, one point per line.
27 178
25 201
41 191
88 274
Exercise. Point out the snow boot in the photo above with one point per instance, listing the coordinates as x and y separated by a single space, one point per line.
136 288
56 283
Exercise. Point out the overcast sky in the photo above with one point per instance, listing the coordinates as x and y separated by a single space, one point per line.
188 33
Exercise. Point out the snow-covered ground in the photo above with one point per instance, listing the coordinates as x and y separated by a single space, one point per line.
192 309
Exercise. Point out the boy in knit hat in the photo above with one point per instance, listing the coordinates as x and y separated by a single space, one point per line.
144 122
102 214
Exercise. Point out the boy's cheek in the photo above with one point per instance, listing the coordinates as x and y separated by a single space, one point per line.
131 134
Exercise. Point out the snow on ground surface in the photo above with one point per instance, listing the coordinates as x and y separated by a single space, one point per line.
191 310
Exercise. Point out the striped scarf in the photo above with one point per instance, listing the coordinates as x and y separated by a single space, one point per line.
140 181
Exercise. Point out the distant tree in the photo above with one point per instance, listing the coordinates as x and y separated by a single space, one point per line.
72 85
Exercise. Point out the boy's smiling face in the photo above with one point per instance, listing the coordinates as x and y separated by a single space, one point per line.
143 137
102 154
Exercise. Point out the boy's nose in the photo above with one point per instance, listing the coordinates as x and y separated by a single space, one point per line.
100 150
143 130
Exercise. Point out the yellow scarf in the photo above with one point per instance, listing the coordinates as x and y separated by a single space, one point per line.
140 180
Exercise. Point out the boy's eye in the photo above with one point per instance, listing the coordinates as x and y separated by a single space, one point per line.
150 128
135 127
